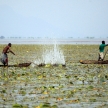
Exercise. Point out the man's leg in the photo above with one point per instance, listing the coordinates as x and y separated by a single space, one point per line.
100 56
6 61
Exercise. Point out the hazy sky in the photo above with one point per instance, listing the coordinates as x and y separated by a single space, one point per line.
54 18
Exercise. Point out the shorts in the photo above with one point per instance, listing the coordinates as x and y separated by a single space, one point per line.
4 58
101 55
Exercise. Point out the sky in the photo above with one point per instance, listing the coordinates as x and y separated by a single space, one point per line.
54 18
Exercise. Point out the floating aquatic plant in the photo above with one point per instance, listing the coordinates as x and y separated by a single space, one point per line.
56 86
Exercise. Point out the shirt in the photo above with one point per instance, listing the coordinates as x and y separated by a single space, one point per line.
101 47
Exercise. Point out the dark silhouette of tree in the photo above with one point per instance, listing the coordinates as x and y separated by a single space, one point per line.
2 37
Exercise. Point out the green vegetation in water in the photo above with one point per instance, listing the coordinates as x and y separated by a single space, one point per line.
54 86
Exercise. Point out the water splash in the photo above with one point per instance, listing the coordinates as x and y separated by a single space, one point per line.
52 55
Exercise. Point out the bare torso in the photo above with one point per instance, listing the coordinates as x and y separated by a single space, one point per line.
5 50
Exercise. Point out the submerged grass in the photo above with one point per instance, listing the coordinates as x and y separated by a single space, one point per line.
76 85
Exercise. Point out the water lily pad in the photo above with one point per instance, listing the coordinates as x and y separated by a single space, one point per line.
17 106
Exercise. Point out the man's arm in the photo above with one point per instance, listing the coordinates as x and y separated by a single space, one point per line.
11 52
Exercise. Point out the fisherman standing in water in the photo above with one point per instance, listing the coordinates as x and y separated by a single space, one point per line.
101 51
6 50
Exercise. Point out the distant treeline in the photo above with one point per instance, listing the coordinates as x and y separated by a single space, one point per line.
2 37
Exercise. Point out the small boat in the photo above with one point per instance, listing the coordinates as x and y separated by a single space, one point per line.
17 65
93 62
28 64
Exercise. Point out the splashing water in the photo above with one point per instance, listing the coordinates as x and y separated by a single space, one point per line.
53 56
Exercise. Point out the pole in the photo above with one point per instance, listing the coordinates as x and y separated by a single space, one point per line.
105 54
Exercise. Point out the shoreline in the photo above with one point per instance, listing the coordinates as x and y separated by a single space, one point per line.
49 41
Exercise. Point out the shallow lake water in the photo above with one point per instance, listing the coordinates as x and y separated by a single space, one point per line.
74 86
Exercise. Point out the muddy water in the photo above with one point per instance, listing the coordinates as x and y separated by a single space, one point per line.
74 86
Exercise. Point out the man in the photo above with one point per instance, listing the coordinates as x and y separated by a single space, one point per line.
101 50
6 50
